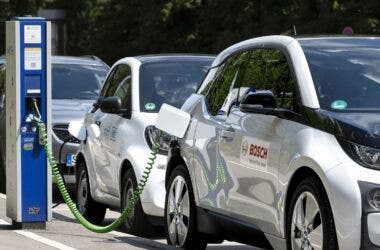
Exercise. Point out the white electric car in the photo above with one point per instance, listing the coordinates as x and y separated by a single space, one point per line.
115 152
295 162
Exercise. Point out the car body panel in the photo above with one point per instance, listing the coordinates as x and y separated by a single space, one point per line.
259 196
122 141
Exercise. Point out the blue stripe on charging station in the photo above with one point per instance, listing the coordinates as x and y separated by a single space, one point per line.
33 160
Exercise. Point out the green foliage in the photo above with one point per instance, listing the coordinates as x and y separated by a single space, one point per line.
113 29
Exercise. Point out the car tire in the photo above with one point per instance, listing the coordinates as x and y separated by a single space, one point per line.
138 223
2 177
182 215
310 220
93 211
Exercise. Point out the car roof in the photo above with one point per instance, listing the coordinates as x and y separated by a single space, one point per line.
339 41
74 60
173 57
275 40
77 60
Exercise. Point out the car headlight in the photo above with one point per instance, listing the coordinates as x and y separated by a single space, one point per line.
365 156
151 133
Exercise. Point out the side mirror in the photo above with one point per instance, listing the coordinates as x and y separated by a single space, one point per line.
258 99
111 105
77 130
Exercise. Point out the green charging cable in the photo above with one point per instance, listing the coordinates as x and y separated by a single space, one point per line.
66 196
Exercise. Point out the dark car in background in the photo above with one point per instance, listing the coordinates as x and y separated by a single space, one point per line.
76 82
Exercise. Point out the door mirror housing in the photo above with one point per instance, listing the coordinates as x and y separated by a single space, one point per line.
112 105
257 99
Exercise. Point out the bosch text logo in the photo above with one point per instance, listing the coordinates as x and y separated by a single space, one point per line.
258 151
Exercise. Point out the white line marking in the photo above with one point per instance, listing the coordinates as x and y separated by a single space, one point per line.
3 196
60 209
3 222
39 238
120 234
43 240
227 243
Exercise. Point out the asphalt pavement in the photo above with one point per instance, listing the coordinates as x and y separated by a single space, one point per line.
63 232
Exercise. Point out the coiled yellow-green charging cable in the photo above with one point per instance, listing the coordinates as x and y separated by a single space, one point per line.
66 196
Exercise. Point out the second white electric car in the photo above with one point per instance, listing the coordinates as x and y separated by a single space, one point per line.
292 163
120 134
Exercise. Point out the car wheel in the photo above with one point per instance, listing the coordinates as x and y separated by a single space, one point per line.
2 177
93 211
310 223
137 222
180 212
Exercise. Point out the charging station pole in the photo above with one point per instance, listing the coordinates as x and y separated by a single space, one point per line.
28 77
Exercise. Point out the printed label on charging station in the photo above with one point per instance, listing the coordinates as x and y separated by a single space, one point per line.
32 34
33 58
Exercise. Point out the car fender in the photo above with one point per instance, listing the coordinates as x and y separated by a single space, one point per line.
338 181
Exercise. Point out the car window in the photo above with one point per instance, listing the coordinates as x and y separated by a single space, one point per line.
122 72
224 82
77 81
345 73
124 91
170 82
268 69
107 83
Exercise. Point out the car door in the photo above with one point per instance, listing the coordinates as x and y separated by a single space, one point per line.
117 125
212 176
252 150
103 163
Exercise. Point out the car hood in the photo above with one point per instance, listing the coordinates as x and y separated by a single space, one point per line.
67 110
362 128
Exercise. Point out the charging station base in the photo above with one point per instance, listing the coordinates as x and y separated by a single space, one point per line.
28 225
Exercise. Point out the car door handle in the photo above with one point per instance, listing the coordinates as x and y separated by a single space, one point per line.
227 134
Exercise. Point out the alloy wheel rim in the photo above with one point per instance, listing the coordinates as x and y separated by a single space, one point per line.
128 197
178 211
307 227
82 194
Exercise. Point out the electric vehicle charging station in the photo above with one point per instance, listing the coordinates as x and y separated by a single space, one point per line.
28 78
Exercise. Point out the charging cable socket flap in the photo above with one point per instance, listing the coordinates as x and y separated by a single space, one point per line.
172 120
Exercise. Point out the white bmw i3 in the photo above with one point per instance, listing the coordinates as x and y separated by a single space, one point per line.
119 136
293 162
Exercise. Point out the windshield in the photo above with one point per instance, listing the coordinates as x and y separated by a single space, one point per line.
345 72
170 82
77 81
